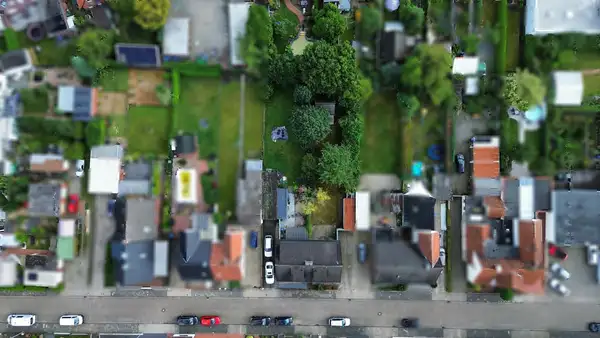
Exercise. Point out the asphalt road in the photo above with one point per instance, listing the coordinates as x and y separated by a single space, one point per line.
310 312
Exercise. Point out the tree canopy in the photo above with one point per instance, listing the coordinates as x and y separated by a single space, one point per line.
353 129
328 69
302 95
95 46
408 105
284 29
411 74
523 90
339 166
329 24
427 72
371 20
282 71
258 43
412 17
151 14
309 125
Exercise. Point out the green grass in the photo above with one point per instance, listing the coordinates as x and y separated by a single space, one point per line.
113 80
147 130
11 39
253 123
380 149
35 101
591 85
572 60
489 16
514 37
118 126
283 156
48 52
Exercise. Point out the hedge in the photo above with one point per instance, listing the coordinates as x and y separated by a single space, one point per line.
176 81
503 42
95 132
194 69
11 39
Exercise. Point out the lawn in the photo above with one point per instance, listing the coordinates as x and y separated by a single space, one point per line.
381 148
49 52
283 156
572 60
514 38
118 126
253 122
591 85
147 131
113 80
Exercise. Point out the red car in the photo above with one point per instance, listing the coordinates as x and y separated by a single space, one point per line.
73 204
557 252
210 320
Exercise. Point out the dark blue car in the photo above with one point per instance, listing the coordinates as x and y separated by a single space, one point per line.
284 321
253 239
111 207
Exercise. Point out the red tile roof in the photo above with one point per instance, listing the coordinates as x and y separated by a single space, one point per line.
429 243
486 162
494 207
349 214
531 242
226 261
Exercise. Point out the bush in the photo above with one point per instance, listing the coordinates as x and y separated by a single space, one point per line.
194 69
507 294
502 44
95 132
302 95
308 225
12 41
176 82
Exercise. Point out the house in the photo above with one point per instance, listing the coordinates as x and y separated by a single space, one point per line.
301 263
330 107
16 64
573 219
137 179
39 17
140 263
105 169
393 42
195 247
227 260
141 219
65 244
176 39
9 274
418 208
465 65
238 17
486 165
48 164
342 5
556 17
46 199
43 271
249 193
80 102
568 88
185 144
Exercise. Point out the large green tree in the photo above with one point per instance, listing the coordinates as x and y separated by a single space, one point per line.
411 74
329 24
302 95
95 46
408 104
412 17
353 129
328 69
257 44
339 166
309 125
151 14
371 20
523 90
282 70
436 63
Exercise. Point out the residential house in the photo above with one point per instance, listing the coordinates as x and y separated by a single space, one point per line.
568 88
176 39
16 66
556 17
48 164
65 244
9 273
43 271
249 193
105 169
47 199
195 245
185 144
79 102
41 18
342 5
330 107
485 154
100 13
470 67
301 263
227 260
394 44
137 179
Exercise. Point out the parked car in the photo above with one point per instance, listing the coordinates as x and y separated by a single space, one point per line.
73 204
560 272
594 327
557 252
460 163
443 256
559 287
339 321
362 252
284 321
20 320
254 239
592 254
70 320
111 207
80 168
210 320
268 246
409 323
269 273
187 320
260 321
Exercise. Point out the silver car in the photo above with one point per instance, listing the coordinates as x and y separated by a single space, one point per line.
559 287
559 271
592 254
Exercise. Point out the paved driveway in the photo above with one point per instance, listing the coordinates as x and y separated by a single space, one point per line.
103 227
210 29
465 128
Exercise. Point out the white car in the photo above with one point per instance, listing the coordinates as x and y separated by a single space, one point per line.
269 273
268 246
592 254
20 320
70 320
79 168
559 271
339 321
559 288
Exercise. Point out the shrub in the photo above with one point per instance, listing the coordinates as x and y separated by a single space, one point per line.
302 95
176 82
308 225
95 133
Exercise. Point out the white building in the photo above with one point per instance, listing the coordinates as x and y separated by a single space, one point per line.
105 169
238 16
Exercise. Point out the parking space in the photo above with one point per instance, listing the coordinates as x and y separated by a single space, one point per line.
355 275
458 273
253 263
582 282
465 128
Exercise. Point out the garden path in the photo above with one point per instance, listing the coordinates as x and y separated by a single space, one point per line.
295 10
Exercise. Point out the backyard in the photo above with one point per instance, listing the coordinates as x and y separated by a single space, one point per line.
253 122
113 80
381 146
146 130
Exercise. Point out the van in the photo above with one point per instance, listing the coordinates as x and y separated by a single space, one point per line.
70 320
268 246
339 322
20 320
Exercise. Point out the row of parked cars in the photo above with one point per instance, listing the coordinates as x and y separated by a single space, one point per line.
29 319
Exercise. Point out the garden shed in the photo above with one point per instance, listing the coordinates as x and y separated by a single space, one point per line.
568 86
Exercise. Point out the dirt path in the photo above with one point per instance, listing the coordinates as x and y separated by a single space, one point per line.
591 71
295 10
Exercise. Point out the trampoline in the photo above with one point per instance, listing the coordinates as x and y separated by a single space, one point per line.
435 152
417 169
535 114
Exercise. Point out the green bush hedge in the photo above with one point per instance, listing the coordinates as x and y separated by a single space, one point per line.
194 69
12 40
95 132
176 82
501 48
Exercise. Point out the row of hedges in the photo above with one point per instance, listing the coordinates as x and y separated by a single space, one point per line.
501 48
11 39
95 132
194 69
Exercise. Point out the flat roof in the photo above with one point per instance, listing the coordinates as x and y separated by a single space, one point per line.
186 181
238 16
558 16
104 175
176 37
575 216
568 88
465 65
363 210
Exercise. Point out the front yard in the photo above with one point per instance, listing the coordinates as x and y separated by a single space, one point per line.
147 131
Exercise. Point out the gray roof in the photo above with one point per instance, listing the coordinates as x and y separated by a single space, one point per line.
296 234
140 219
542 189
135 262
185 144
44 199
418 212
309 262
510 196
13 59
107 151
193 261
487 187
135 187
282 203
138 170
576 214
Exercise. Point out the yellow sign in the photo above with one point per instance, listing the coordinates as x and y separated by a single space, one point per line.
185 179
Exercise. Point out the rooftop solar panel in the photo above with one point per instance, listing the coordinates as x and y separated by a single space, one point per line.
138 55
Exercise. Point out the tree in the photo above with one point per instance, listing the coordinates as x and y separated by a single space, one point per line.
328 69
436 63
329 24
353 129
82 68
339 166
282 70
412 17
302 95
371 21
125 8
309 125
95 46
151 14
411 74
523 90
391 73
357 93
408 105
470 44
258 43
283 28
310 169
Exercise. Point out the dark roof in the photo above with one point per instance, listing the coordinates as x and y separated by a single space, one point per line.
418 212
185 144
309 261
193 260
282 203
135 262
36 261
44 199
56 21
13 59
576 214
296 234
102 17
269 196
510 197
542 189
82 105
137 55
138 170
